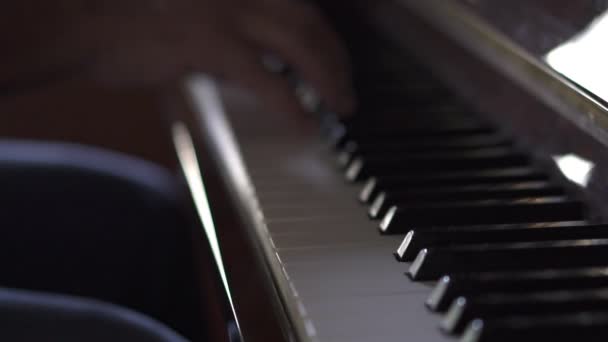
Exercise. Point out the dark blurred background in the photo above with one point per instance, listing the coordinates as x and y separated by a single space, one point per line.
126 120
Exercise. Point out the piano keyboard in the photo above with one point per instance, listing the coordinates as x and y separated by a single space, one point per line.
423 223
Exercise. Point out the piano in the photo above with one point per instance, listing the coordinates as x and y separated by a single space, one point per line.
464 201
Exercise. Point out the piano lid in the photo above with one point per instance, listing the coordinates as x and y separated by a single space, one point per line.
507 59
569 36
541 45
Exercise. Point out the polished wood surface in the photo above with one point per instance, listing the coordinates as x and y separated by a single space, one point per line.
253 294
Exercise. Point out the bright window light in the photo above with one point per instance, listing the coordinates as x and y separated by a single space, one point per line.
575 168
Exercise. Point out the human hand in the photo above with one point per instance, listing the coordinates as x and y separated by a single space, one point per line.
152 41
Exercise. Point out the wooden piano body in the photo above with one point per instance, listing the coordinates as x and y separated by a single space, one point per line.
314 267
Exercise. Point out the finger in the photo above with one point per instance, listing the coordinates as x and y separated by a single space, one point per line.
310 45
324 68
243 66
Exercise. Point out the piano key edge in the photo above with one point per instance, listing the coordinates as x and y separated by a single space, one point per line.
213 159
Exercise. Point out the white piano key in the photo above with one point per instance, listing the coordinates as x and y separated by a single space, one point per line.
374 318
340 269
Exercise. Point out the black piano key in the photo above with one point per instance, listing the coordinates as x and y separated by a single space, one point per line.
409 132
400 157
432 263
400 128
448 288
410 98
446 142
464 310
360 168
579 326
417 239
353 149
401 219
470 192
375 185
428 118
397 158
